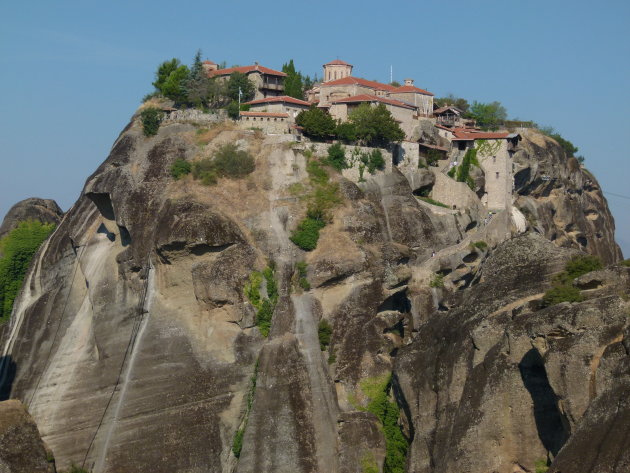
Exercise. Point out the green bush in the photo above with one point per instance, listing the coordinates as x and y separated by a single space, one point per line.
264 316
324 332
346 131
433 156
316 123
582 264
482 245
237 443
451 172
17 249
463 171
307 233
272 287
180 168
562 293
233 110
232 162
375 161
437 281
388 413
252 289
626 262
337 157
151 118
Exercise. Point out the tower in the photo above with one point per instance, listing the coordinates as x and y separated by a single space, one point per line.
336 69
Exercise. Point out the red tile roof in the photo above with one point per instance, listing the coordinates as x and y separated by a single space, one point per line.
374 98
210 62
444 127
281 98
265 114
358 81
405 89
467 134
337 62
427 145
247 70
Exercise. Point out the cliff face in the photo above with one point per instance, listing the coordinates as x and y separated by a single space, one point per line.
135 346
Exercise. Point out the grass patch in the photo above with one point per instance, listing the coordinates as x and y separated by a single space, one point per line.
307 233
324 332
541 466
17 249
563 291
368 463
228 161
626 263
437 281
237 442
428 200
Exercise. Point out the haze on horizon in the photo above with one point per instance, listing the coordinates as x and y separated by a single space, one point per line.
75 72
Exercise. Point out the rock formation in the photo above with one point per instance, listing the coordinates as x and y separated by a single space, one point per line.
135 347
21 448
41 210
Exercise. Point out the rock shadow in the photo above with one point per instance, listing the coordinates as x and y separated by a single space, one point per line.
7 375
553 428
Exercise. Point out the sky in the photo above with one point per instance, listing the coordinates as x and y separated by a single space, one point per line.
73 72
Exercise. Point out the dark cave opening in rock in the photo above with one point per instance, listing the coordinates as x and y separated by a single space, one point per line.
553 428
7 374
398 302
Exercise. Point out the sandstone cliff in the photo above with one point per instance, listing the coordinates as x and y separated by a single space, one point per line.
135 346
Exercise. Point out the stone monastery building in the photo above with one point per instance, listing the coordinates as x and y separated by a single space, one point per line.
340 92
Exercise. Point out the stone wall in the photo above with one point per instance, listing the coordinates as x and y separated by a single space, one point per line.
496 163
265 124
453 193
194 115
353 158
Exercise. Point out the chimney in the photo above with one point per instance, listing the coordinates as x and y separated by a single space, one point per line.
409 82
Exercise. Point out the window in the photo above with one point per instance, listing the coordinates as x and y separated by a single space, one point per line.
494 159
497 175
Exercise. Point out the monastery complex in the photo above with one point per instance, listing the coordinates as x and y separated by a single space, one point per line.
340 92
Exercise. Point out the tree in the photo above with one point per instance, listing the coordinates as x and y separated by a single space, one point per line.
337 157
394 83
375 125
174 87
239 81
198 84
293 82
488 115
164 71
450 99
316 123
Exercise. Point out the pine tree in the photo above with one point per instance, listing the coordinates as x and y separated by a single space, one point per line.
293 82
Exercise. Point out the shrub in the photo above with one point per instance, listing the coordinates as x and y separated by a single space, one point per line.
233 110
437 281
324 331
375 125
237 443
316 123
252 289
307 233
232 162
337 157
463 171
205 171
17 249
346 131
562 293
151 118
451 172
582 264
264 316
272 287
302 281
482 245
375 161
180 168
626 262
433 156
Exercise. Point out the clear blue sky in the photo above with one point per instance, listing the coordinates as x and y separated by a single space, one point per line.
73 72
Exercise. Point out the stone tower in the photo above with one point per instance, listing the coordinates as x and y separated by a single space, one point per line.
336 69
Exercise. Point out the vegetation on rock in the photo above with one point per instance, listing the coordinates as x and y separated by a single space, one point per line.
17 249
228 161
302 281
428 200
151 118
437 281
237 442
337 157
375 126
563 291
316 123
324 332
264 305
180 168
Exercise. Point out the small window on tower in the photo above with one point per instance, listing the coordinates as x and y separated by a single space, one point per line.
497 175
494 159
